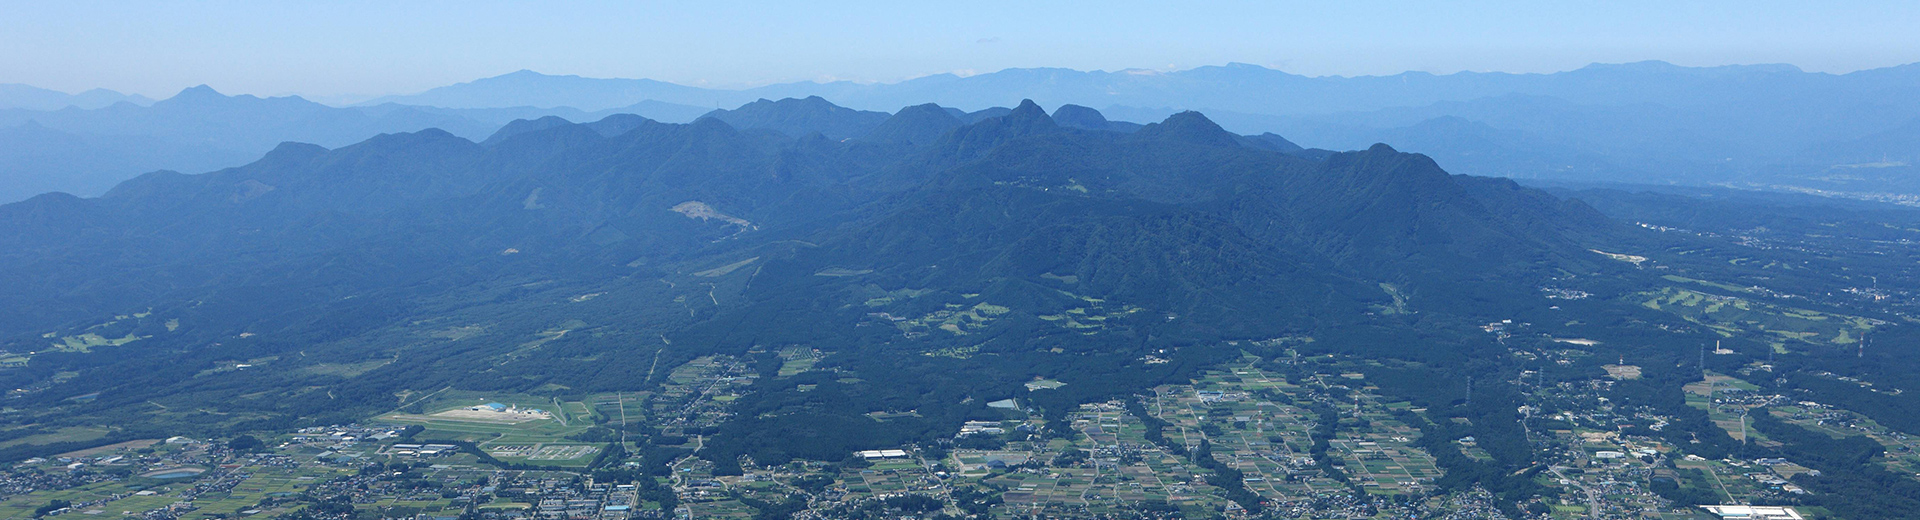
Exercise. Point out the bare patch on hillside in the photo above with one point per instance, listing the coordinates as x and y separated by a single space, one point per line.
700 210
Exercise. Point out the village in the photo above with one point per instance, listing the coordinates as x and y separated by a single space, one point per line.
1309 443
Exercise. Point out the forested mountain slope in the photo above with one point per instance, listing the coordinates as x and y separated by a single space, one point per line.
943 265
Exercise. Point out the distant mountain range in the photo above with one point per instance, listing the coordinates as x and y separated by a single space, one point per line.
1651 121
1760 126
85 151
1235 87
15 95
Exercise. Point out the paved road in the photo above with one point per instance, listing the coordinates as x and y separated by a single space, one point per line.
1593 498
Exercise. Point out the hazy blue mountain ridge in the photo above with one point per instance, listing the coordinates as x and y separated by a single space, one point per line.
1234 87
85 151
797 117
1764 127
15 95
1646 121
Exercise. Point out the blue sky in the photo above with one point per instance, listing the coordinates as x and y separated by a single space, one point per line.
348 48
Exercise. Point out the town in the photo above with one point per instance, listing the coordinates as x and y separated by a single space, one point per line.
1299 437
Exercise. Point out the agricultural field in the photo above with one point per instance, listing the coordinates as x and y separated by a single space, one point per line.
86 342
794 360
1726 399
621 408
243 484
64 434
1731 315
957 319
1090 317
1255 421
696 393
1902 450
1259 423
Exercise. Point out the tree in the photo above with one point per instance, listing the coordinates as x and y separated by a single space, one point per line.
245 443
1070 457
55 505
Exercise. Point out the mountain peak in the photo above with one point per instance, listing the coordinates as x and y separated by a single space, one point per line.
291 153
916 125
1077 116
1190 127
797 117
1028 110
617 124
927 108
297 149
711 125
521 126
1028 118
518 76
386 143
1023 121
195 98
198 93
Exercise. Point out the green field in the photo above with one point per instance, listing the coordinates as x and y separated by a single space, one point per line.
1731 315
247 494
794 360
86 342
66 434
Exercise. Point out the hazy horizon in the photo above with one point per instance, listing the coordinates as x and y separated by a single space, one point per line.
341 52
354 98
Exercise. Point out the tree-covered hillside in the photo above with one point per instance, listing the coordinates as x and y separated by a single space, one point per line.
937 274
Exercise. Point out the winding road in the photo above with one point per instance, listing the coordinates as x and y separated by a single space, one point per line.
1593 498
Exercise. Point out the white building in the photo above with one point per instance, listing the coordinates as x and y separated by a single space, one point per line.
1753 512
881 454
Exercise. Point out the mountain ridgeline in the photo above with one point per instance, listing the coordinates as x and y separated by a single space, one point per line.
86 151
943 258
1766 127
1648 122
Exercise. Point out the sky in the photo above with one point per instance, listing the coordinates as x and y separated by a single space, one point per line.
343 50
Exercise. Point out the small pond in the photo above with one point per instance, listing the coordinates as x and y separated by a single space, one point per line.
174 473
